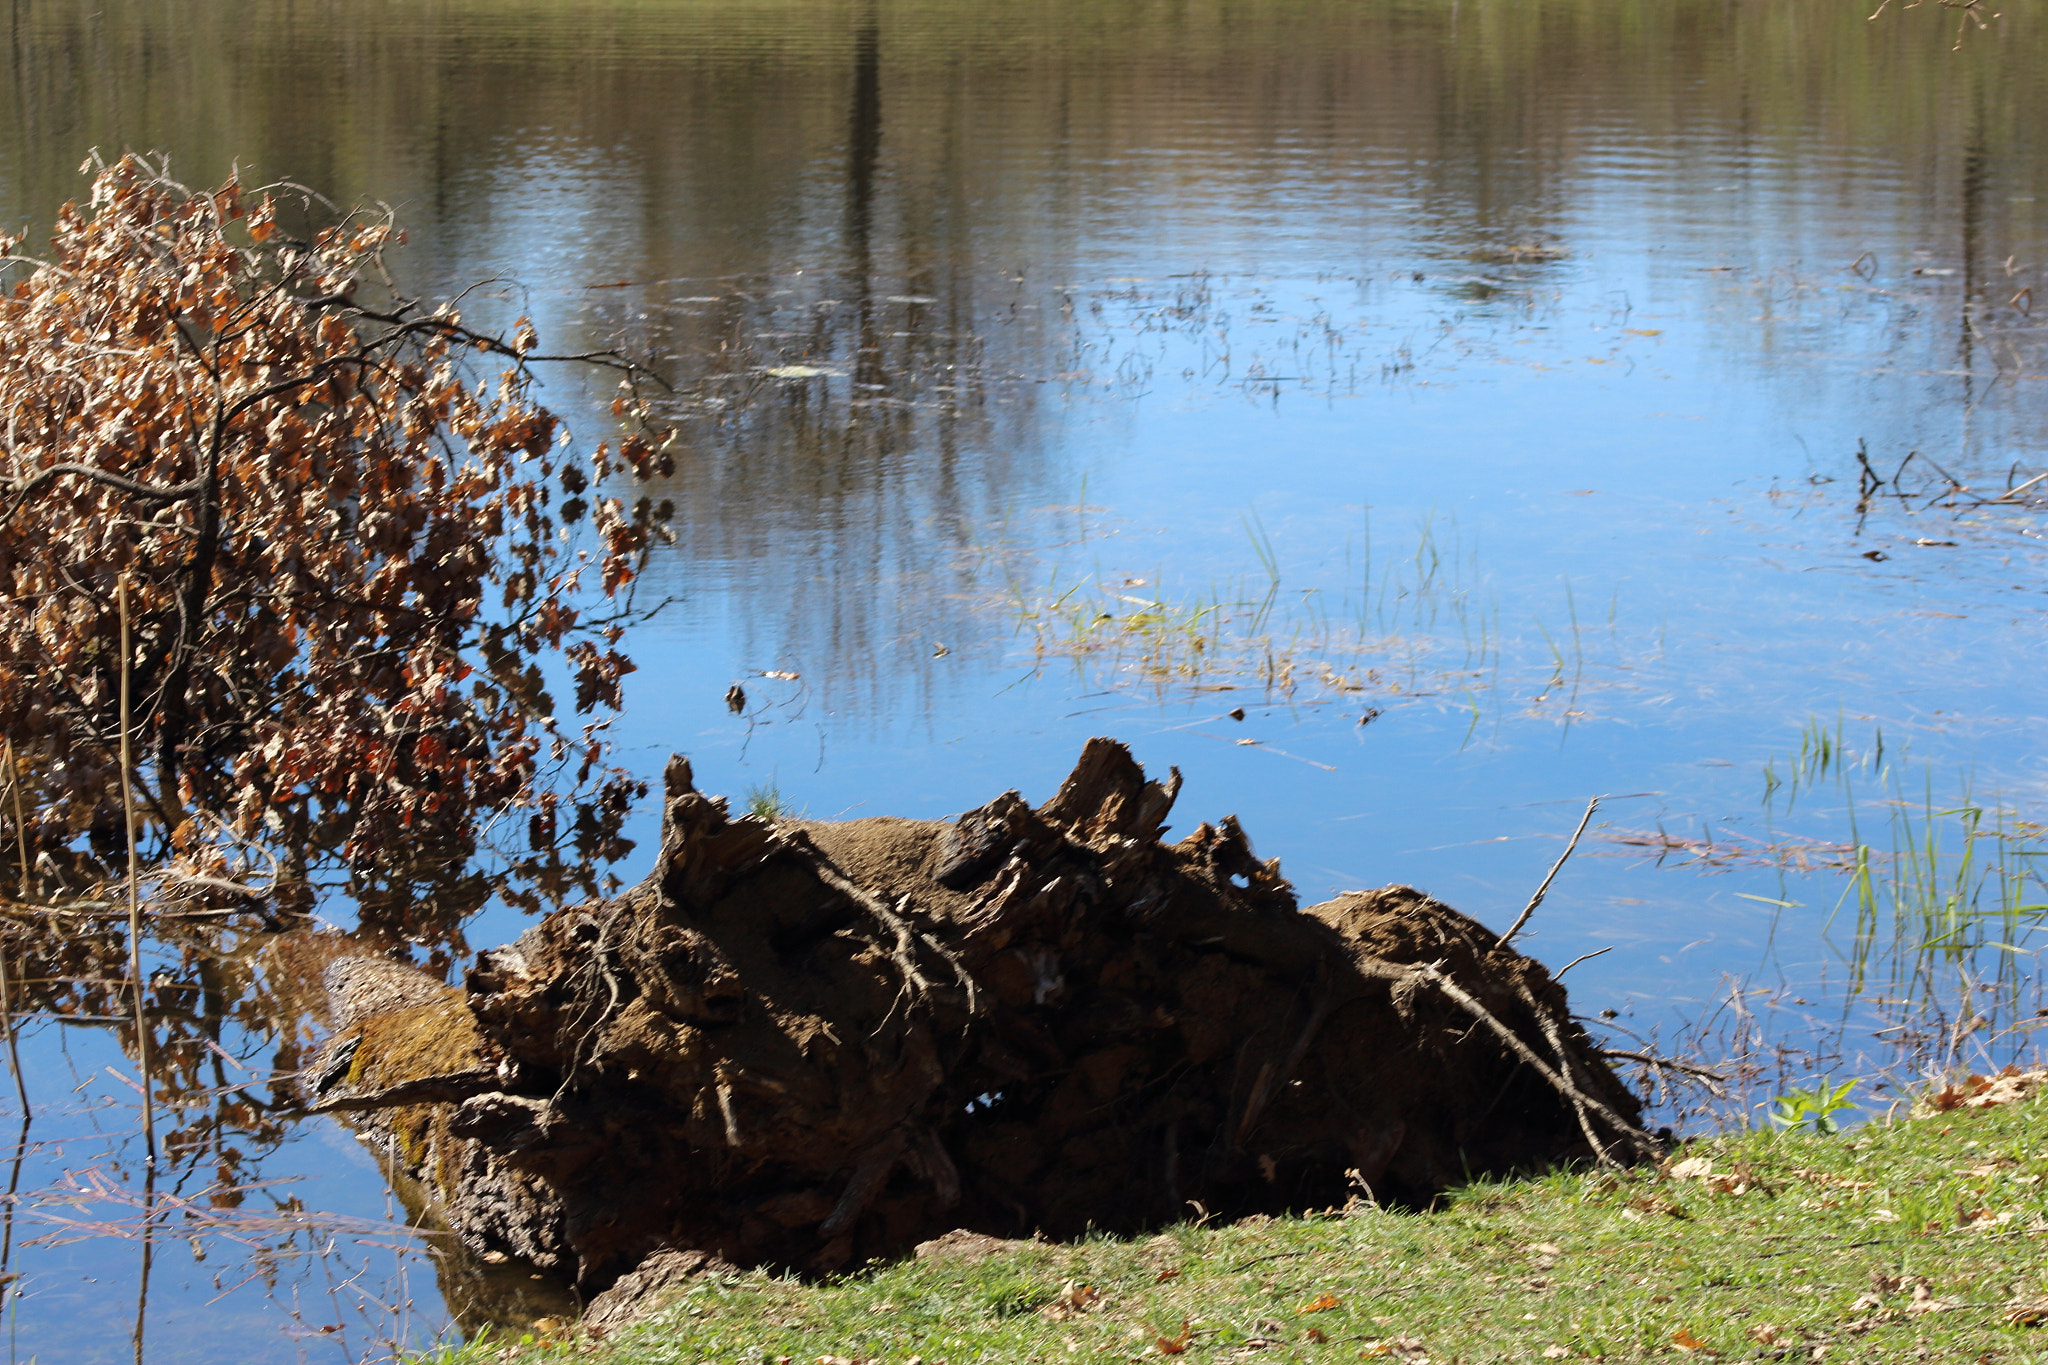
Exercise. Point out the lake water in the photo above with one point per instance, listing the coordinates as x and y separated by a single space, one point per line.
1493 374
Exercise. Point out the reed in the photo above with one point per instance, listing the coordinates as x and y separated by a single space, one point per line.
1941 896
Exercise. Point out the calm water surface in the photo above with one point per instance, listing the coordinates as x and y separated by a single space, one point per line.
1508 362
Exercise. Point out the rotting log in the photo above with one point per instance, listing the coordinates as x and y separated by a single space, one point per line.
803 1044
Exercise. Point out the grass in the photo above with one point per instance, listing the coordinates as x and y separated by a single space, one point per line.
1941 911
1902 1239
766 802
1931 900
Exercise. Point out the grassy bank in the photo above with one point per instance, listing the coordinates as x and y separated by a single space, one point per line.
1904 1239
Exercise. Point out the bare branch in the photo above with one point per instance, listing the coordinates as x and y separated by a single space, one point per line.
1537 899
148 492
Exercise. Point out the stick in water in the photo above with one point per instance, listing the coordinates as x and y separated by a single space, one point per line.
20 825
135 967
134 890
1537 899
7 1005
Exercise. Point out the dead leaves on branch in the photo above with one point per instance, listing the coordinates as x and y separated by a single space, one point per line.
348 546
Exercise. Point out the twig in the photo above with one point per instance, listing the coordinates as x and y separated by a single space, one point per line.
1537 899
1715 1079
148 1247
915 984
1955 485
134 897
1582 1103
1276 1256
20 824
2012 493
6 1004
1580 958
13 1052
135 969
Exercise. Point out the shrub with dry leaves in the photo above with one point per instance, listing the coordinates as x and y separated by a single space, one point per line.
349 537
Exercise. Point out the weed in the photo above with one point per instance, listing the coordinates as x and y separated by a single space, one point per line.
1815 1108
765 802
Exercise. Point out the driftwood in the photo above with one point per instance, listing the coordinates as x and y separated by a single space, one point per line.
803 1044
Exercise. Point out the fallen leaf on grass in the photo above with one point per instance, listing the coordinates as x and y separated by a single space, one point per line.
1985 1092
1167 1274
1073 1300
1556 1352
1686 1341
1173 1346
1314 1334
2027 1312
1322 1303
1764 1334
1925 1302
1408 1350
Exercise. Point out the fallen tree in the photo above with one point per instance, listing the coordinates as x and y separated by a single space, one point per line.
804 1044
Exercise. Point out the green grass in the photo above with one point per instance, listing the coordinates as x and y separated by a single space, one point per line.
766 802
1940 912
1806 1241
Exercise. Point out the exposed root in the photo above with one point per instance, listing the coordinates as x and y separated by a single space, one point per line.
805 1043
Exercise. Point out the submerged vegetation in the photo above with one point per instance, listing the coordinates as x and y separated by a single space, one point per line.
1929 918
1417 622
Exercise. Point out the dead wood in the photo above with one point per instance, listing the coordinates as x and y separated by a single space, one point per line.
806 1043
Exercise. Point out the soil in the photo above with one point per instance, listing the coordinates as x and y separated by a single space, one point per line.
804 1044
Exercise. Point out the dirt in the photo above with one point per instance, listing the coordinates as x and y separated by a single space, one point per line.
803 1044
